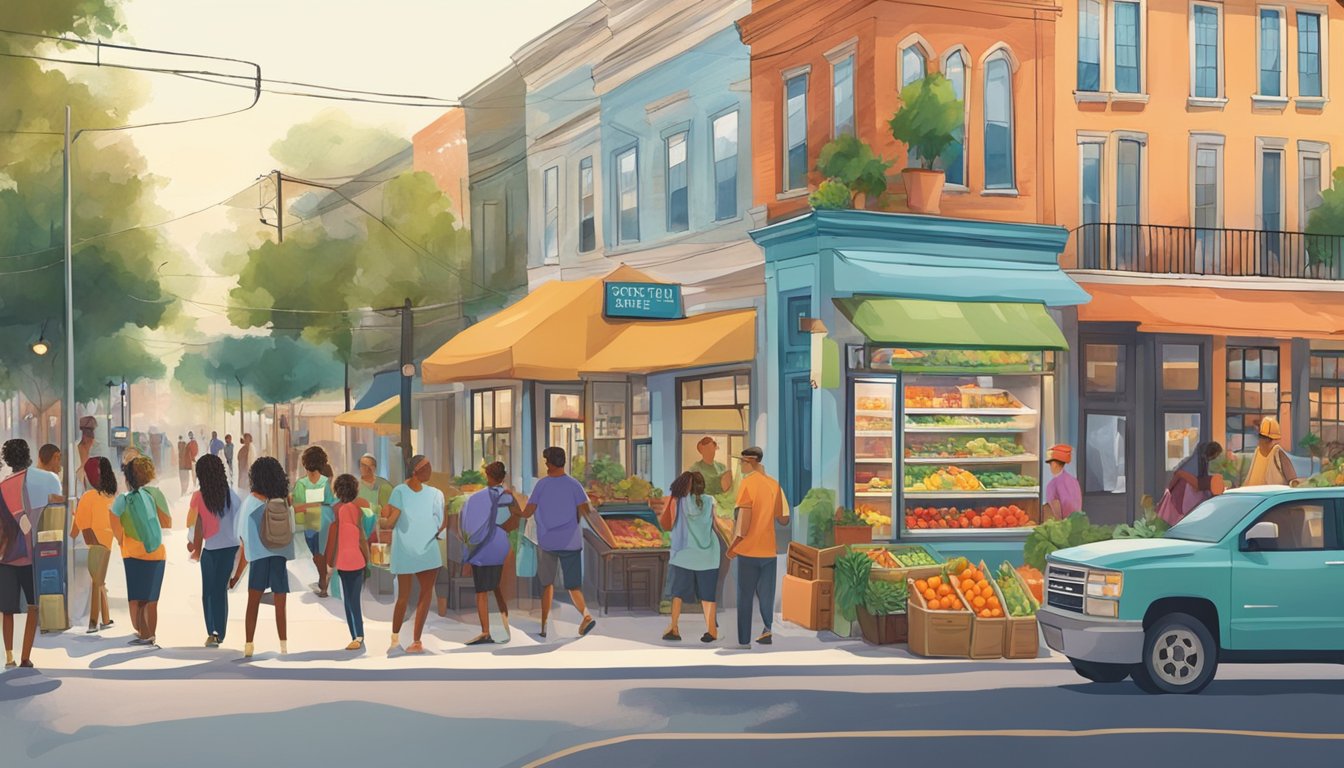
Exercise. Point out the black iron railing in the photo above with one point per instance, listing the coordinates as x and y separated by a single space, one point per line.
1170 250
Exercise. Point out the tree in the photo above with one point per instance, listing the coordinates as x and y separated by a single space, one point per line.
1325 227
115 283
274 369
928 119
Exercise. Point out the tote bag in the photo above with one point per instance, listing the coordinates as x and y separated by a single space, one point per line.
526 560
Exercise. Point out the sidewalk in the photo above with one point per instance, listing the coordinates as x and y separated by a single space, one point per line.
318 635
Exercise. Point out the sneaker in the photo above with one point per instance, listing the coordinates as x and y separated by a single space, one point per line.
106 625
707 638
212 642
765 639
743 646
355 644
138 641
10 665
482 639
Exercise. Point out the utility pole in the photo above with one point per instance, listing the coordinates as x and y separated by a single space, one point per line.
241 427
71 436
407 371
280 209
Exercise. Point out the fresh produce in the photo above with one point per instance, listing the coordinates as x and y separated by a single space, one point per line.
469 477
852 571
884 598
949 420
990 398
606 470
1017 601
1052 535
926 397
978 593
879 484
1005 480
976 358
1035 581
872 515
938 595
941 479
1149 527
847 516
818 508
1009 516
915 557
633 489
872 423
966 448
873 404
882 558
635 534
456 503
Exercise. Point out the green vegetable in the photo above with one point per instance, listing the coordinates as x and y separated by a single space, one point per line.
456 503
847 516
607 471
915 558
469 477
1016 599
1150 527
884 598
1053 535
852 570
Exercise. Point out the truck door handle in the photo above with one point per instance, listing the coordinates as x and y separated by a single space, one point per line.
1334 562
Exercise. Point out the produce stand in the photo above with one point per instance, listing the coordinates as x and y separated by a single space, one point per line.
615 569
937 632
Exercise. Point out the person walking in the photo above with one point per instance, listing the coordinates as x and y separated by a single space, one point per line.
93 522
24 494
1270 463
214 542
87 448
216 445
228 453
244 459
415 514
374 492
313 500
183 465
558 502
49 465
266 528
348 554
193 451
760 503
689 515
487 539
138 519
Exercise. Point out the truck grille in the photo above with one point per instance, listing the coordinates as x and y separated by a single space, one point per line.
1065 587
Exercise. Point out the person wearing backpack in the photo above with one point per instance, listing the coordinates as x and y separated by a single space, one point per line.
214 542
266 527
348 554
487 539
138 519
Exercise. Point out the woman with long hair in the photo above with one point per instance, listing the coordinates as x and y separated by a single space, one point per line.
270 487
689 515
138 519
313 502
93 519
348 554
1191 484
214 542
415 515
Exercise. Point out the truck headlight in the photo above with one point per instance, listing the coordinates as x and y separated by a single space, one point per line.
1107 608
1105 584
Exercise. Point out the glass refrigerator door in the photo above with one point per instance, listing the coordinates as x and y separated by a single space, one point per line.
874 452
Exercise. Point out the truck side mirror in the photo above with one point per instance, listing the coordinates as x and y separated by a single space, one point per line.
1261 533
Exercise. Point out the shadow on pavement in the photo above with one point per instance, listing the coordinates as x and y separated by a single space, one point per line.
21 684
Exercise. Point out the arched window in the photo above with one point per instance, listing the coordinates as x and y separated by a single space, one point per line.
953 159
999 122
914 66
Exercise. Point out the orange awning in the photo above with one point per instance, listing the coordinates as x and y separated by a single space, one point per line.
1209 311
383 418
694 342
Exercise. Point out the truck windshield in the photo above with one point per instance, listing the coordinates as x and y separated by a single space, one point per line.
1212 520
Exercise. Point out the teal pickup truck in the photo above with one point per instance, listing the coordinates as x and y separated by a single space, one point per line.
1253 575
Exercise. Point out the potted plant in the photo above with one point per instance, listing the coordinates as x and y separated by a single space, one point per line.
882 617
852 570
817 510
926 123
850 167
470 481
850 528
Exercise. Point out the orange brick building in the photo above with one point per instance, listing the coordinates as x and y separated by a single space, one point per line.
440 149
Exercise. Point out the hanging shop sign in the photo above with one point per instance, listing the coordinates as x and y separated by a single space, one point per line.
644 301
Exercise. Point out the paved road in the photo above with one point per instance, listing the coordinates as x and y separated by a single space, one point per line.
223 713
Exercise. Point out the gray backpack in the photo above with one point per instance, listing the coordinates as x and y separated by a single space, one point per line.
277 524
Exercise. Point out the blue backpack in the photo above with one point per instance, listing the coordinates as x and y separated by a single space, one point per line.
141 524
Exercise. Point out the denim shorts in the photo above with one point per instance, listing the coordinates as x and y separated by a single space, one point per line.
268 573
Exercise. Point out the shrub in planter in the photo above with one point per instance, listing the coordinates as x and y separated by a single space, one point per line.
882 618
850 528
817 508
850 168
926 124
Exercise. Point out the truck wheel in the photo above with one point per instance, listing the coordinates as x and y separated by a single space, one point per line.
1099 672
1179 656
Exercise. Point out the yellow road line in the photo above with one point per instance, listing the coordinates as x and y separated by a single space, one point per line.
933 734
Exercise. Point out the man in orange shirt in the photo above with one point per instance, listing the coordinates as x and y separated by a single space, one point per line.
760 502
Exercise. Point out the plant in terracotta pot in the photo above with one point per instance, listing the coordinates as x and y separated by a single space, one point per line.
850 528
850 167
882 617
926 123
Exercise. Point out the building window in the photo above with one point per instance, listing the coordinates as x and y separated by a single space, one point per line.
1273 40
1326 396
1309 55
491 425
1252 393
999 173
725 166
953 159
587 207
564 426
1089 45
492 241
913 65
1128 203
610 429
717 407
550 194
1104 370
627 191
1271 190
795 133
1313 169
842 89
1207 63
1207 197
641 434
678 211
1128 48
1089 159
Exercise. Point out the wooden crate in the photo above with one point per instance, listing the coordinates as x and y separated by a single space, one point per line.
937 633
987 635
812 564
809 604
1022 637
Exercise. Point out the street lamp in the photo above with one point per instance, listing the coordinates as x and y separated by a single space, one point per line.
41 347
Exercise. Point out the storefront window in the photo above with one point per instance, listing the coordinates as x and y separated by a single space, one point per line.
610 422
717 407
1252 393
641 430
1105 368
1180 367
1181 436
564 423
491 425
1326 396
1105 459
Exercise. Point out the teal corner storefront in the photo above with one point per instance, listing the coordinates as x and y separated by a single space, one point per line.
969 308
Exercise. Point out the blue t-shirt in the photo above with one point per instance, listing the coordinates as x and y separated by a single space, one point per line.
476 522
415 545
227 534
557 500
249 530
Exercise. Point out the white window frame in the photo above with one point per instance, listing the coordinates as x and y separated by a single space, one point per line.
1141 138
684 132
1265 144
549 214
1103 87
848 50
1263 100
1322 13
1000 49
1104 202
632 149
926 51
1321 151
804 71
1108 61
737 162
592 195
967 78
1220 99
1217 142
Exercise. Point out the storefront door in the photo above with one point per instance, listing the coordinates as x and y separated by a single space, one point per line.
1182 393
795 441
1105 463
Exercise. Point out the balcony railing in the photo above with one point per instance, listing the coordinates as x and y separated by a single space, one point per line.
1170 250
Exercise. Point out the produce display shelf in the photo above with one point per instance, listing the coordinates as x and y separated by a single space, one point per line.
1024 458
874 460
988 429
869 412
873 494
873 433
1024 411
987 493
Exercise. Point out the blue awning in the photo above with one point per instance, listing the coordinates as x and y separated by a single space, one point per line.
386 384
953 278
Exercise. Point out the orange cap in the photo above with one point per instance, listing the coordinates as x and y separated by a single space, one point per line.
1061 452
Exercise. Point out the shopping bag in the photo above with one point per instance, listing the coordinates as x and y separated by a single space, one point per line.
527 558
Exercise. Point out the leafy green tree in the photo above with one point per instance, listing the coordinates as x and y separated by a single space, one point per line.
850 162
273 369
928 119
1327 224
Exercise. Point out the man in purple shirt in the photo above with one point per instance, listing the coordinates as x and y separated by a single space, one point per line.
1063 495
485 525
558 502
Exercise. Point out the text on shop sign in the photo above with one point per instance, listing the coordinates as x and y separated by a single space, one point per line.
652 301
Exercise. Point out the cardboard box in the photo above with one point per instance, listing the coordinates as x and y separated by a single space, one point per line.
938 633
812 564
809 604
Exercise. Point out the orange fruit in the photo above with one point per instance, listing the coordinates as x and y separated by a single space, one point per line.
930 595
986 590
944 590
966 574
978 602
921 585
993 602
985 614
934 581
996 613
